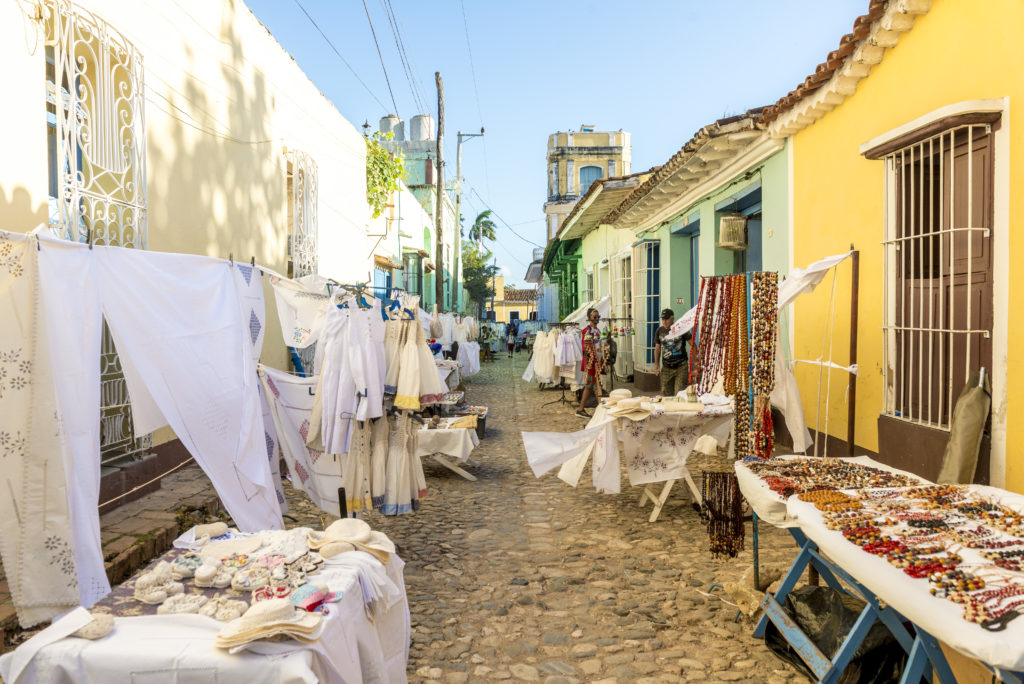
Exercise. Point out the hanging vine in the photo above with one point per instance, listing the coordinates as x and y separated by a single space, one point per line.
384 170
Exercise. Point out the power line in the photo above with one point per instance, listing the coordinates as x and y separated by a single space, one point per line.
381 56
412 67
476 93
343 60
389 11
507 224
496 243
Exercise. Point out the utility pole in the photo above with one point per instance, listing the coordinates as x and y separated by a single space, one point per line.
458 205
439 204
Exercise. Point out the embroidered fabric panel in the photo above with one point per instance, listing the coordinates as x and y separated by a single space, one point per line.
35 526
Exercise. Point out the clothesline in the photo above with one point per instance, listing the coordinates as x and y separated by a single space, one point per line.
144 484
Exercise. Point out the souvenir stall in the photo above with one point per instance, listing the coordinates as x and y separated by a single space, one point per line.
188 330
655 439
556 358
449 441
217 606
942 557
348 434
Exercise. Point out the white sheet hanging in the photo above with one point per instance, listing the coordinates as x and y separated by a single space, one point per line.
64 268
301 305
291 402
36 543
176 319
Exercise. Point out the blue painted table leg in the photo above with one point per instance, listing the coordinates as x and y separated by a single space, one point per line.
788 582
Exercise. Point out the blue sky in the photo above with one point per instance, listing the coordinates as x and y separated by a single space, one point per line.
658 69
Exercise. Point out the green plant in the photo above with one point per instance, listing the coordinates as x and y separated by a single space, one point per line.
477 275
384 172
483 228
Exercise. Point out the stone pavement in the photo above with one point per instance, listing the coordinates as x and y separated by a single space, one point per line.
524 579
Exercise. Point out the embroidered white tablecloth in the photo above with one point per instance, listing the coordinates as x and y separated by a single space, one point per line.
355 647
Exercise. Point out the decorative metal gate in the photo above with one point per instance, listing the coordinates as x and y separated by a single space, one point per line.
302 214
302 221
97 150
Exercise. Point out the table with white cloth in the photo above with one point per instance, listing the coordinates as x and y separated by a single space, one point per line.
889 594
933 618
771 507
654 450
450 372
358 643
443 444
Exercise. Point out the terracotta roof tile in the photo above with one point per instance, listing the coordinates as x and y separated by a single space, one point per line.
835 59
521 296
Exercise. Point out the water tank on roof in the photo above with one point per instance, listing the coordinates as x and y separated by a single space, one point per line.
421 127
392 124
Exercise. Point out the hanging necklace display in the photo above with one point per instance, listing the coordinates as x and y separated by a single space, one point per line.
764 323
722 510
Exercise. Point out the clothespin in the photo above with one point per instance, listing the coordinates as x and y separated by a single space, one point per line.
252 262
231 259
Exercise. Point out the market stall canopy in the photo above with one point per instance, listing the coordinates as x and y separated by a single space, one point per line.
603 306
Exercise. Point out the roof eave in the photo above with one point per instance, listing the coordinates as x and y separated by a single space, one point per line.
858 52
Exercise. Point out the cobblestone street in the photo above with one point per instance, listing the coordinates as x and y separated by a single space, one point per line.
517 578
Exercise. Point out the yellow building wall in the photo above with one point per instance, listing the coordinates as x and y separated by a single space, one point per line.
958 51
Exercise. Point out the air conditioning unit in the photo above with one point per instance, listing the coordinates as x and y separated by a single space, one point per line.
732 232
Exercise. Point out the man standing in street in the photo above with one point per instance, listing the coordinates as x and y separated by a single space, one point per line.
670 358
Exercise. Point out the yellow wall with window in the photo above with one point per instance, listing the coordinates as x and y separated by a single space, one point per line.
956 52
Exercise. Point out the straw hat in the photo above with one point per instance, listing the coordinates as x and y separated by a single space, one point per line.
270 618
638 412
672 406
351 530
617 395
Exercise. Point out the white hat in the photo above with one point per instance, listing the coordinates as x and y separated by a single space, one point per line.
270 618
617 395
348 534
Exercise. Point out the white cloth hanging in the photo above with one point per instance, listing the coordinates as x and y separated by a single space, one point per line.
36 537
291 401
66 267
301 306
469 357
175 317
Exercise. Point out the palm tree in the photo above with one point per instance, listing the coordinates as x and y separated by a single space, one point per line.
483 228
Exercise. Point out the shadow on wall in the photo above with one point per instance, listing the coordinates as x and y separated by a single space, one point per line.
215 174
17 215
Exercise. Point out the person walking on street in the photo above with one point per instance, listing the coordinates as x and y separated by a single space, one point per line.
593 361
670 359
510 341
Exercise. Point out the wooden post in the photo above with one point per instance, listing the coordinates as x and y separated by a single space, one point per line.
439 204
854 304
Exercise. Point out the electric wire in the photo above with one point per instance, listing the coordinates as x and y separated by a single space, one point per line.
476 93
380 55
412 67
343 60
402 54
498 216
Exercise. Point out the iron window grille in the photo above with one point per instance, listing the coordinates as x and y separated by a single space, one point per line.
937 263
647 293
